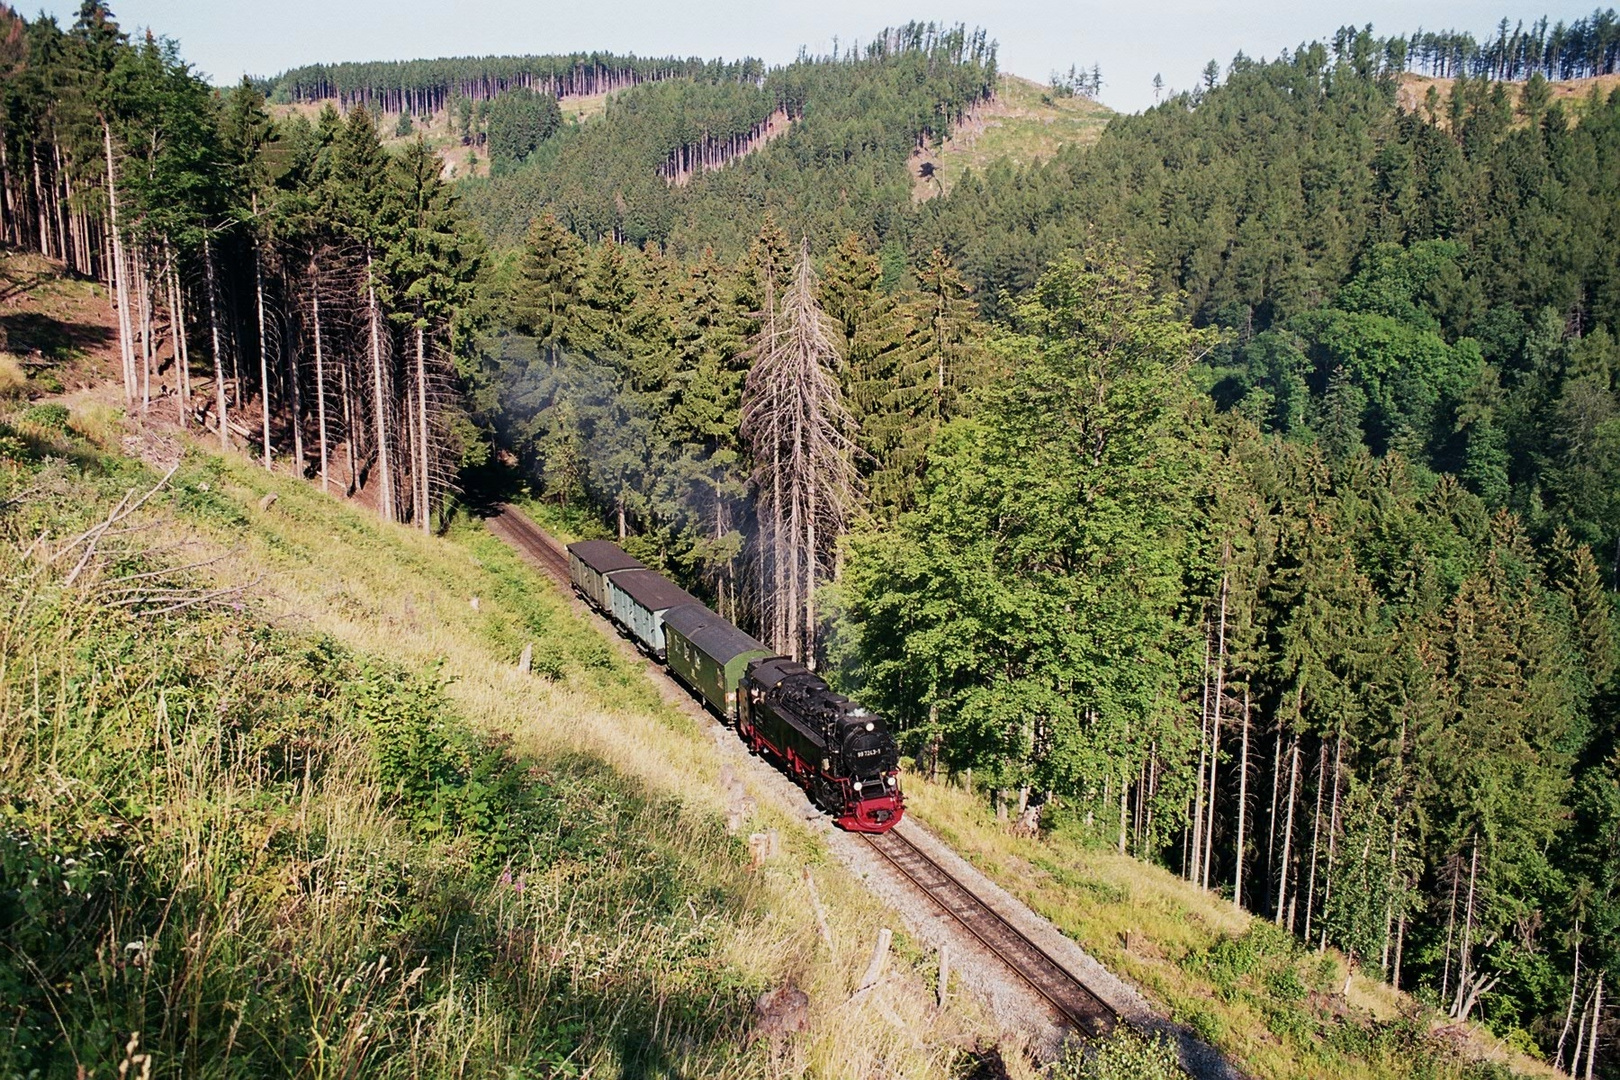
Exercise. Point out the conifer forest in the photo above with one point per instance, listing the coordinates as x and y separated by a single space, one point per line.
1242 489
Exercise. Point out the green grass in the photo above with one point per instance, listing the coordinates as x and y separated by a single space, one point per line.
320 824
1025 123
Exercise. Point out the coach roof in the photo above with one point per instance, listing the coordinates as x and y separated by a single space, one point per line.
651 589
718 639
604 556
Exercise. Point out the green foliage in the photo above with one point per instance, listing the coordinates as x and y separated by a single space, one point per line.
519 121
978 637
1124 1055
47 417
839 167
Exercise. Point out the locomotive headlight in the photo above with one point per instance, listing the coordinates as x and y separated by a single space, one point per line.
868 725
893 780
857 787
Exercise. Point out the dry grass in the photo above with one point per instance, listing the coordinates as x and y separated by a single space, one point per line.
332 569
13 379
1023 124
1413 90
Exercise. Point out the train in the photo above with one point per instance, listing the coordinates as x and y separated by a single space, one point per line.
841 754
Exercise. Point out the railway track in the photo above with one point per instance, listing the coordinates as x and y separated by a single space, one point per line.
1068 997
515 528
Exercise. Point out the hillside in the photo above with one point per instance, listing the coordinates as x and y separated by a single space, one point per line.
364 787
341 830
1024 123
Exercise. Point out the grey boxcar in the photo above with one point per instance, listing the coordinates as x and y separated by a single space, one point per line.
639 599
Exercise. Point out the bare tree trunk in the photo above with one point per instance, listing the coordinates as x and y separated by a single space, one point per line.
1569 1013
1597 1022
810 578
320 380
219 360
1194 871
1124 811
1243 805
1451 923
8 211
1333 833
295 394
1316 840
144 296
1580 1037
264 352
1215 732
59 201
41 207
1271 817
1465 958
426 512
1400 941
182 350
120 285
385 504
348 429
1288 830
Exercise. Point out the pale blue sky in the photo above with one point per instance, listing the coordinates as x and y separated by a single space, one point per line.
1131 41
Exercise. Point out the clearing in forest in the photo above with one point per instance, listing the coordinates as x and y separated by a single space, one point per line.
1024 122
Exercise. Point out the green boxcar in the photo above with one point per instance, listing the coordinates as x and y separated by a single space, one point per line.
709 655
589 564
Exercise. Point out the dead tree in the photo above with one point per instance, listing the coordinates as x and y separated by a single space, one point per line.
798 429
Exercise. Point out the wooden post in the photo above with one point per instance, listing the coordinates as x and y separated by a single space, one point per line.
944 973
526 661
815 906
880 956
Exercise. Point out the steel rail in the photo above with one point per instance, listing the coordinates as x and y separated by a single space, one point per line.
1052 980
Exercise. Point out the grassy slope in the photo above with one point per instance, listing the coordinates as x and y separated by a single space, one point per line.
1277 1011
638 902
1024 123
169 866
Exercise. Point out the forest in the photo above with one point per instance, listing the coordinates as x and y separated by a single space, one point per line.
1259 517
1242 490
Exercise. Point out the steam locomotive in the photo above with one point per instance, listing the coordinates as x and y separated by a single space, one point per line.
842 755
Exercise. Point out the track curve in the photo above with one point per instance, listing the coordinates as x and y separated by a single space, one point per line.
514 526
1067 995
1069 998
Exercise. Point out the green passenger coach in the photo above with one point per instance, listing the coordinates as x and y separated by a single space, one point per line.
709 655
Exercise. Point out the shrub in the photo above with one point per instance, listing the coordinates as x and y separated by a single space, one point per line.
1124 1055
52 418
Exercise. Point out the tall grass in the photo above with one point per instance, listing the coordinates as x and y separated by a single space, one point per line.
322 825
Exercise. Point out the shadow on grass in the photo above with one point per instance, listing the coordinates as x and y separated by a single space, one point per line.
28 332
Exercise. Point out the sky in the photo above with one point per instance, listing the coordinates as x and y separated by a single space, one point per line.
1130 41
